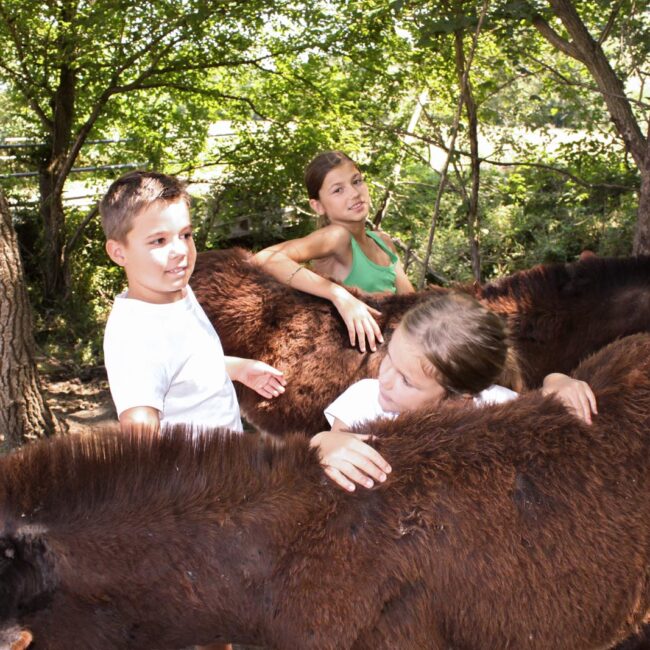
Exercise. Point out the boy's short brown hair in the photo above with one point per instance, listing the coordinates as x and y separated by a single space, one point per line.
131 194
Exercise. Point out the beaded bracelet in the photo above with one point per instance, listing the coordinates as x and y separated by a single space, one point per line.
300 268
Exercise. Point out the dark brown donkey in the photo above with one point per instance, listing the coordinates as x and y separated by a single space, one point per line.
514 526
557 315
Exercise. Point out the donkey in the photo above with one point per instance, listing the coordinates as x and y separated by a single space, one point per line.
557 315
510 526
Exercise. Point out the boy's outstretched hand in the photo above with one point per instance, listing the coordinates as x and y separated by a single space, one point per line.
576 395
265 380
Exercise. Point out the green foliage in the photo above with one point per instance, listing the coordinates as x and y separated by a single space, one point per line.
529 215
290 79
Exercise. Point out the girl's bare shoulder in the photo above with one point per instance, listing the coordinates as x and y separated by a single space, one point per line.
387 239
337 237
335 230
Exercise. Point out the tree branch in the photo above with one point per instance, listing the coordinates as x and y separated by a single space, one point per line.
609 84
206 92
185 66
28 80
130 61
72 242
302 79
489 161
610 22
452 144
137 84
555 39
590 87
79 140
563 172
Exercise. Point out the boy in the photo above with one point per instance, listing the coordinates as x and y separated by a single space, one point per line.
164 360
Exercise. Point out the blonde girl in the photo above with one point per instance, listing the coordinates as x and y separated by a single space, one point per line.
449 347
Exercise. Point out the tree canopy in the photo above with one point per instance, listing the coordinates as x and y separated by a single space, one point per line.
153 73
495 135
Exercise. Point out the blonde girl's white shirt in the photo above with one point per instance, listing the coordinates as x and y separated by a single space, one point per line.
360 402
169 357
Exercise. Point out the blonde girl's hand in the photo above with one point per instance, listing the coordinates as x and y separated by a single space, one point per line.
348 460
265 380
576 395
359 319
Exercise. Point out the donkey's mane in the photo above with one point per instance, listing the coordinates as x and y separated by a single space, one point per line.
592 273
545 282
231 273
236 273
136 471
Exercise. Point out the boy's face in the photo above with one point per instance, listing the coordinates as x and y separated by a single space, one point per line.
159 253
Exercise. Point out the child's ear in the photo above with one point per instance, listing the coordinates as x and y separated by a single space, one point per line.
317 206
115 250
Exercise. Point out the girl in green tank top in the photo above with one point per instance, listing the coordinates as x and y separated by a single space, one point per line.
341 250
368 275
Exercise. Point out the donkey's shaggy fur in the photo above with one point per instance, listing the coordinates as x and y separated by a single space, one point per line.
513 526
558 315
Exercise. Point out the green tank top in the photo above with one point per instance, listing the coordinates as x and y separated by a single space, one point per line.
368 276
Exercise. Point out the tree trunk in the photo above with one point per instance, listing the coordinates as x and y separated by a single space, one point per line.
642 234
24 415
56 273
588 51
56 276
584 48
472 123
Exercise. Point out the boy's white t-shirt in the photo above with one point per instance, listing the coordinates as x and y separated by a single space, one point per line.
169 357
360 402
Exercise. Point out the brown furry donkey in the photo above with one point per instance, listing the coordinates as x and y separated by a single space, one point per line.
557 315
511 526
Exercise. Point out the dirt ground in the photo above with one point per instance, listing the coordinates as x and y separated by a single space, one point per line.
82 404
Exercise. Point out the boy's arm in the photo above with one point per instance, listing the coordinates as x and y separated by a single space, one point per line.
140 419
263 379
135 369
